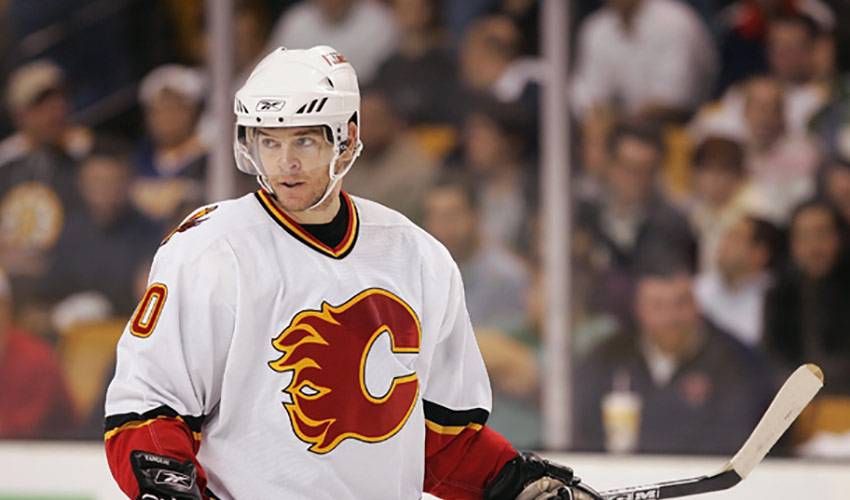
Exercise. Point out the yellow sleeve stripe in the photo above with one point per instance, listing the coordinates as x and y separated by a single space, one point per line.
452 430
139 424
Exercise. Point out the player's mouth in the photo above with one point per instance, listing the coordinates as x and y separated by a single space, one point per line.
290 185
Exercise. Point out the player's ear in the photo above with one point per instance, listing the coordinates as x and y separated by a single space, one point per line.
352 133
350 144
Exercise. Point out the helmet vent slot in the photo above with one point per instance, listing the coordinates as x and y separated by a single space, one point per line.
310 107
321 104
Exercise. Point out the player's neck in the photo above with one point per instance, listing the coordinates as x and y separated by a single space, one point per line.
322 214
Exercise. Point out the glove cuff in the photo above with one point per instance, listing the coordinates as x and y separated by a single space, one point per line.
521 471
164 478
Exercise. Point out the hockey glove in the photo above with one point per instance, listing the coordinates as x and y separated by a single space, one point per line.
529 477
163 478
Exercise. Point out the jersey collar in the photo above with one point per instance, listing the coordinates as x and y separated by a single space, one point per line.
296 230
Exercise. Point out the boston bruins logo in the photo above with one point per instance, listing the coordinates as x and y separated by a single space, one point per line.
31 217
326 351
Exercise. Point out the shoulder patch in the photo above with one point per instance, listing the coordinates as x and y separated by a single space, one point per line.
193 220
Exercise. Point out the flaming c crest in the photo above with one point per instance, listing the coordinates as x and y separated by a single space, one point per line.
326 350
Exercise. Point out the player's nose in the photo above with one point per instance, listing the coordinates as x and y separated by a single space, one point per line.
287 161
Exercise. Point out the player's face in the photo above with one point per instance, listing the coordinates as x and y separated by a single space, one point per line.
295 161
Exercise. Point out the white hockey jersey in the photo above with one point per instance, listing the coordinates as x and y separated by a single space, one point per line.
305 369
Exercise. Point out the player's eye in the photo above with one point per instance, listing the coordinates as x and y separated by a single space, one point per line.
305 142
269 143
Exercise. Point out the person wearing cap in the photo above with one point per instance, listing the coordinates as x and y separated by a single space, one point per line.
37 101
38 167
171 159
172 97
34 402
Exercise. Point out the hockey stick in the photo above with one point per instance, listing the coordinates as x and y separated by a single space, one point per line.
789 402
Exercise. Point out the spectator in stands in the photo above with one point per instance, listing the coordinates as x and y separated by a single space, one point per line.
732 295
172 97
420 77
34 400
807 312
781 165
172 159
103 244
780 161
699 389
37 99
743 31
645 58
494 149
394 169
797 68
342 24
792 53
490 62
37 172
720 185
630 216
494 279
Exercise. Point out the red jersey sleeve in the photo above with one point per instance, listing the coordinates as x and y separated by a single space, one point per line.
462 454
160 431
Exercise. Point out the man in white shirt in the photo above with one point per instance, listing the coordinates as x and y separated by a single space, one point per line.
650 57
732 296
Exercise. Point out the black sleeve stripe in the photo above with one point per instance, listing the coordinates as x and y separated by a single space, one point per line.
454 418
116 421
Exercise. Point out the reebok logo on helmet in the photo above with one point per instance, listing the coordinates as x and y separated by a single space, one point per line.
270 105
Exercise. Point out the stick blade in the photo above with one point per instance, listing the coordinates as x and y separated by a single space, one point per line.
800 388
794 395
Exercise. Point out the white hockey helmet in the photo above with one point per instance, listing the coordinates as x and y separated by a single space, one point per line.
298 88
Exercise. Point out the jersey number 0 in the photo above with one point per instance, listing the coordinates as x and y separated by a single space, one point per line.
147 313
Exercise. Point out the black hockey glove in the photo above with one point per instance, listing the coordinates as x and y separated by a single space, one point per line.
529 477
163 478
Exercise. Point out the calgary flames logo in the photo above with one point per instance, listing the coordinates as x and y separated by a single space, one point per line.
326 351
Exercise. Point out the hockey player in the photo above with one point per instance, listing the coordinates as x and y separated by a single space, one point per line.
302 343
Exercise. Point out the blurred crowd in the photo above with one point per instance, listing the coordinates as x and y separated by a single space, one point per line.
710 194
